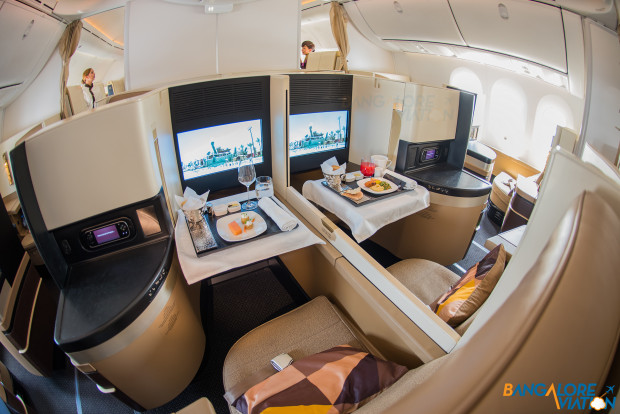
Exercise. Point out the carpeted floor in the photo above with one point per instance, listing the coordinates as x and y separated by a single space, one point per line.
230 307
476 250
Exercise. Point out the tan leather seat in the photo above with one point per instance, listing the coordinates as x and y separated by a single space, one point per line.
306 330
560 325
427 280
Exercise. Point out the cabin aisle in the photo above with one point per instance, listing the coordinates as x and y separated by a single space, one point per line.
236 304
476 250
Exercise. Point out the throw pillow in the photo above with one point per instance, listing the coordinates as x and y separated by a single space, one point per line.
340 379
472 290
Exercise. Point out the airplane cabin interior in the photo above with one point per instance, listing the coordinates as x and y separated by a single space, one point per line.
426 218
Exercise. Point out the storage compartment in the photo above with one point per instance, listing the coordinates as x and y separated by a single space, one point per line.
524 29
521 204
32 327
501 192
28 39
479 160
411 20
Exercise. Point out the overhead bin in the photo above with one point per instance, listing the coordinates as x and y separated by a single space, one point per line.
411 20
524 29
27 39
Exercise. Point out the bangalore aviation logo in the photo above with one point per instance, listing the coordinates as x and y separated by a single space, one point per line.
566 396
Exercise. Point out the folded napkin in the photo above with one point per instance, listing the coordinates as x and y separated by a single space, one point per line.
191 200
284 220
406 182
329 167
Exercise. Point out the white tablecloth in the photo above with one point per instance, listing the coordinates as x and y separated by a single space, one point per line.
198 268
364 220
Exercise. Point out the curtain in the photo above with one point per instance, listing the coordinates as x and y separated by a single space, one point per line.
66 48
339 29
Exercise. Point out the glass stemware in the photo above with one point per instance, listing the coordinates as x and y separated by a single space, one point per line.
247 175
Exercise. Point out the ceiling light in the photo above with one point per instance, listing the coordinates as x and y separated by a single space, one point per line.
211 6
218 8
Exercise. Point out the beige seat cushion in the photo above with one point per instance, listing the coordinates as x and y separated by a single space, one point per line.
306 330
427 280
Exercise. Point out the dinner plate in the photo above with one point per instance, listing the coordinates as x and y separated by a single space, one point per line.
224 231
362 185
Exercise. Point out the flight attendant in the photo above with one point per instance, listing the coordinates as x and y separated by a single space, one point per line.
306 47
88 78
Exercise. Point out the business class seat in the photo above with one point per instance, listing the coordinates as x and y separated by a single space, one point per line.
427 280
560 325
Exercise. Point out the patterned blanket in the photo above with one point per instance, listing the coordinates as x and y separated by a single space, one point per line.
338 380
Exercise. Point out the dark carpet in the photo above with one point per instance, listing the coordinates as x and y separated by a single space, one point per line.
476 251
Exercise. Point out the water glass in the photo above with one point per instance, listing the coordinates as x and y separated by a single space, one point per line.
264 187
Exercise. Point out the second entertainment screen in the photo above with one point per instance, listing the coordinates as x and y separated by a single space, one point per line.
317 132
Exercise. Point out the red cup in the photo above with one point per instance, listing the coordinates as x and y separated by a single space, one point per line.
367 167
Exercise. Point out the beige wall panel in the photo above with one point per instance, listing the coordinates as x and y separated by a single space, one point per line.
95 161
371 118
161 362
429 113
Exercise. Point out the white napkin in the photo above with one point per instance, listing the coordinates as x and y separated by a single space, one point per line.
327 168
285 221
191 200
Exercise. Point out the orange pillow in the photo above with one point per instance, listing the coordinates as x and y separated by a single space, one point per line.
470 292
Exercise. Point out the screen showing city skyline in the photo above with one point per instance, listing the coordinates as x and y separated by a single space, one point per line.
315 132
219 148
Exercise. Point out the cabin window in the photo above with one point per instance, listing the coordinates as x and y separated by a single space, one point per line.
550 112
467 80
507 118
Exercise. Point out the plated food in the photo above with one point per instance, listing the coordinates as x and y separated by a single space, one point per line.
377 186
240 226
354 194
234 206
220 209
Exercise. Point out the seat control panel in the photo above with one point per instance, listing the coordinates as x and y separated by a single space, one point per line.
108 233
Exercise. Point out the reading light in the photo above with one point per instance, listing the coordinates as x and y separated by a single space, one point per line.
211 6
7 168
218 8
503 11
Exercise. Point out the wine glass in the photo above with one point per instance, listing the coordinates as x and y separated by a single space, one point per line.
247 175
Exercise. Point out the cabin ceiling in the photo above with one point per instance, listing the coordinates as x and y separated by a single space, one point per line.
527 29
